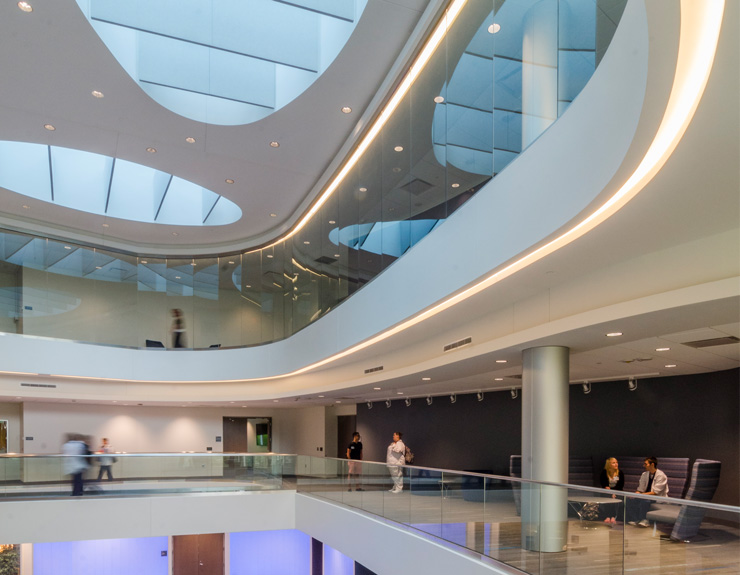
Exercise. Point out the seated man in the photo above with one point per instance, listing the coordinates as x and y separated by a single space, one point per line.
652 482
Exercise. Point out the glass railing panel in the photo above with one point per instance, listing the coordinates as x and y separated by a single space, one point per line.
426 509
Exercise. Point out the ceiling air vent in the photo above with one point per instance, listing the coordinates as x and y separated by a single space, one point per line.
48 385
457 344
636 360
374 369
325 260
730 339
417 187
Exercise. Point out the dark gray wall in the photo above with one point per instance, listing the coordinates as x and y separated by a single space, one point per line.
695 416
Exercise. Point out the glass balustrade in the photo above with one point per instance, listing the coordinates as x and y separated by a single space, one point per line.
502 74
509 520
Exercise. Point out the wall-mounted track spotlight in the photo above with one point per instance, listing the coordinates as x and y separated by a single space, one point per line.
514 393
479 395
586 387
387 402
453 398
369 404
632 384
407 401
429 400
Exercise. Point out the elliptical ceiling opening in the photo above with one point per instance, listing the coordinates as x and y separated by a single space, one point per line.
226 62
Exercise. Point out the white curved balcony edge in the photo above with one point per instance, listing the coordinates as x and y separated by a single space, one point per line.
575 165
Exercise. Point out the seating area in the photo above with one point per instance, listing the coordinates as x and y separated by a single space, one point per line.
702 482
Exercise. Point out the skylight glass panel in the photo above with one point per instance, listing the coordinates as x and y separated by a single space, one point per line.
224 61
79 178
24 168
102 185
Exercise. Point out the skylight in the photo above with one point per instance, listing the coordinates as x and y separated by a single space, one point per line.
225 62
109 186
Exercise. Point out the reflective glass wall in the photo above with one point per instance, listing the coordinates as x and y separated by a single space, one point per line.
504 72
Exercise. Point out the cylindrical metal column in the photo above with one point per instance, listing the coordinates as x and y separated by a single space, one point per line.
545 375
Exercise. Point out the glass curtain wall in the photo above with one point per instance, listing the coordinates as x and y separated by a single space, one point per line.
504 72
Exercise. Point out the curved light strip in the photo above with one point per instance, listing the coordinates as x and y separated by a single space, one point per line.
416 68
699 34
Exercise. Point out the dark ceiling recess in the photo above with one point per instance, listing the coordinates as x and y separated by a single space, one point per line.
730 339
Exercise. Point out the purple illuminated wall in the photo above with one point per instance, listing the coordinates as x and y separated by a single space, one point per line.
270 553
336 563
142 556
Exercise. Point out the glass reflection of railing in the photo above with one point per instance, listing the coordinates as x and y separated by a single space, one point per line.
506 519
40 476
503 73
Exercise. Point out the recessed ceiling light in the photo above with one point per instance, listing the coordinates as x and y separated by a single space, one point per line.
307 243
498 379
98 94
614 334
144 262
25 6
193 264
229 181
494 28
501 361
49 127
396 170
177 277
231 263
190 140
67 247
98 267
455 185
151 150
399 393
321 396
274 144
662 349
376 388
269 256
175 234
244 406
346 110
337 255
398 149
439 99
248 286
426 379
337 401
25 207
671 365
273 215
275 400
332 222
363 189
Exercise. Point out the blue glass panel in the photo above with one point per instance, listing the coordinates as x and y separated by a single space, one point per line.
24 168
80 179
575 69
472 83
183 204
337 8
224 212
577 25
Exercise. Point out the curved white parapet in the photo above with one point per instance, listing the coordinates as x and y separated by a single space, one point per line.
552 193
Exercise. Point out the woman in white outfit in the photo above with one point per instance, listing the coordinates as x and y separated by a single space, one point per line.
395 458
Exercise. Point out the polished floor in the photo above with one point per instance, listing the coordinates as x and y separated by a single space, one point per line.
493 528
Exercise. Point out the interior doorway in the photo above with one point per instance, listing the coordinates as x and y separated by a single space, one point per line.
198 554
247 434
346 426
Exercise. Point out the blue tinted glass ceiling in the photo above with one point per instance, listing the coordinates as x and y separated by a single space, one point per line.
109 186
224 62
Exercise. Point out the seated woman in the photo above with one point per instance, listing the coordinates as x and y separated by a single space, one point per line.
612 478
